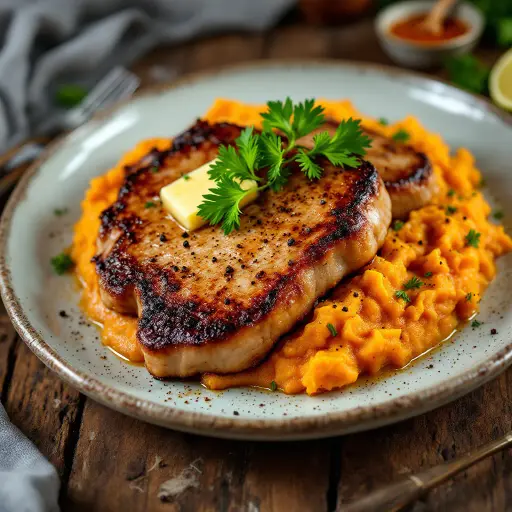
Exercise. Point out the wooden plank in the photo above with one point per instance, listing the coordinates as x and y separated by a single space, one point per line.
227 49
301 41
132 460
45 409
371 460
7 350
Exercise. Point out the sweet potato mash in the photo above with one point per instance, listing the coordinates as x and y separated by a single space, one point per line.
426 281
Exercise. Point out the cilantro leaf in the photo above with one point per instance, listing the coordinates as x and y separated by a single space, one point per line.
343 148
308 166
278 117
70 95
450 210
397 225
472 238
401 136
61 263
332 329
272 156
307 118
400 294
383 121
414 282
239 164
498 215
469 296
428 274
222 203
475 323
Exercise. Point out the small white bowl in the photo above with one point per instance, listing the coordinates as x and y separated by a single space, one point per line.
426 55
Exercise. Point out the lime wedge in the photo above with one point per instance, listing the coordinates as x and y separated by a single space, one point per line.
500 82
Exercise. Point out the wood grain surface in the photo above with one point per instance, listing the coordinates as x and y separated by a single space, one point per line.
110 462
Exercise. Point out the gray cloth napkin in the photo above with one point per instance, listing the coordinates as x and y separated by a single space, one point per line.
47 42
28 482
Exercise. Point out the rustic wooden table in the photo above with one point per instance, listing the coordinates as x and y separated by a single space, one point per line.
109 462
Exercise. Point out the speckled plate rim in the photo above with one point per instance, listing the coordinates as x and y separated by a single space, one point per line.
357 419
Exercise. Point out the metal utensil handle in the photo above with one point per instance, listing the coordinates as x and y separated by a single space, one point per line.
396 496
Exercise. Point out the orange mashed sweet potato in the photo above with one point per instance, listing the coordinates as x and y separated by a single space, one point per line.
374 328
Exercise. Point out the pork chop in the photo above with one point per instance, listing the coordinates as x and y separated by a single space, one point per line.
407 173
208 302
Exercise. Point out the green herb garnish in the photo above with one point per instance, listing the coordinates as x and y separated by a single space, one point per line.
450 210
383 121
414 282
498 215
401 136
332 330
469 296
428 274
475 323
472 238
149 204
186 177
70 95
61 263
154 169
273 385
60 211
450 193
400 294
397 225
468 72
270 152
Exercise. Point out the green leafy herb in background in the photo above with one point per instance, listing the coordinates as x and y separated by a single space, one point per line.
469 73
269 151
70 95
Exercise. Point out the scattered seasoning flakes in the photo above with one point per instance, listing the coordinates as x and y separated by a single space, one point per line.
498 215
469 296
60 211
332 329
383 121
154 169
186 244
344 309
236 413
401 136
494 331
451 193
61 263
184 235
428 274
472 238
291 241
400 294
63 314
163 238
149 204
273 385
414 282
475 323
450 210
398 225
186 177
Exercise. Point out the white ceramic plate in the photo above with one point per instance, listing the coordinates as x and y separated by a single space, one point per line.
31 234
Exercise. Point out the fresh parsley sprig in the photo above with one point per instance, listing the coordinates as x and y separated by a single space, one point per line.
265 158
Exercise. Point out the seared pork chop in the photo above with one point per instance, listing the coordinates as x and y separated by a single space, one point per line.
407 173
208 302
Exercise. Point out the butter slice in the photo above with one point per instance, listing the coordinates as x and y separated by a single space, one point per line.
182 197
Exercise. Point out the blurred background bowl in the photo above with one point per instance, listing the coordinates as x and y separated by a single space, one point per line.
426 55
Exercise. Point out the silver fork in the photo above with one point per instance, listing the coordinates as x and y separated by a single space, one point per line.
117 85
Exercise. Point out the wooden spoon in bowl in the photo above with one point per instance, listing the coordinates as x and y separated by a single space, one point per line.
434 21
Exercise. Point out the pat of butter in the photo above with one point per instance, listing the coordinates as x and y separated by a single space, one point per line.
183 197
